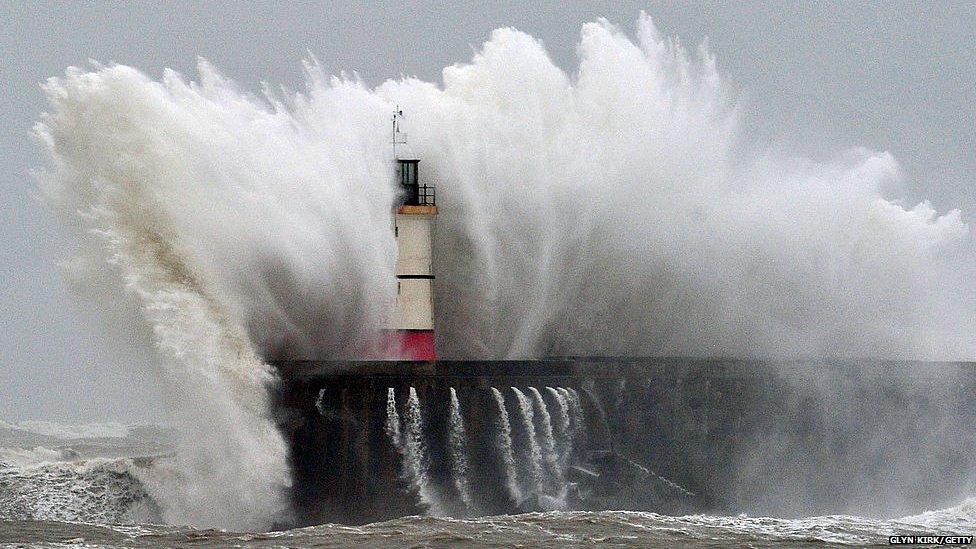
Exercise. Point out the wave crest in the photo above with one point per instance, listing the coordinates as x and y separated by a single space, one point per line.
103 491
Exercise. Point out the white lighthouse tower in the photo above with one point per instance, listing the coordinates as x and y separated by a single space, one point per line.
409 334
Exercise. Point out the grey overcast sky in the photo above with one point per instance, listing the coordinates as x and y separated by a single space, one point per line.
814 78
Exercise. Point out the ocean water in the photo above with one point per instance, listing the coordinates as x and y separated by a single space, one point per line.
605 210
91 486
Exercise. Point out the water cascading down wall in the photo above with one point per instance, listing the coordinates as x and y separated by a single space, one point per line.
376 440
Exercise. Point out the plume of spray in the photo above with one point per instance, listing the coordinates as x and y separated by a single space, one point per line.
595 213
604 213
209 209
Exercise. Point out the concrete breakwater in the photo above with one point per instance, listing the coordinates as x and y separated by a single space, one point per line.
376 440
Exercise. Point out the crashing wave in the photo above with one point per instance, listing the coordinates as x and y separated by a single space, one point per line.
604 212
961 518
104 491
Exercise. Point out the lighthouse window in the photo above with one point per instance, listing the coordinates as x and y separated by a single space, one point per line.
408 173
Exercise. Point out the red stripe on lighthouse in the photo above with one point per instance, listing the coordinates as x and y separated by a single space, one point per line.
405 345
417 345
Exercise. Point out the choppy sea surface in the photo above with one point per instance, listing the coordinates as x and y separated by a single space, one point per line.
85 486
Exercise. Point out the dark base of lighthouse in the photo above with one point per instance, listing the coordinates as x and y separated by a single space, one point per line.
664 435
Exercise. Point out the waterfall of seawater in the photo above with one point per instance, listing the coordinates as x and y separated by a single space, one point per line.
415 460
393 420
576 409
505 446
459 453
548 443
318 402
564 443
535 452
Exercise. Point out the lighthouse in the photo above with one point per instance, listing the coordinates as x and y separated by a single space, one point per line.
409 333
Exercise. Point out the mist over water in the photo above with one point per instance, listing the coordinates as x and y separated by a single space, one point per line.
604 212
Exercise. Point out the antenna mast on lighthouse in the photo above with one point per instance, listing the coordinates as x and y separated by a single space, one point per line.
410 333
399 138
